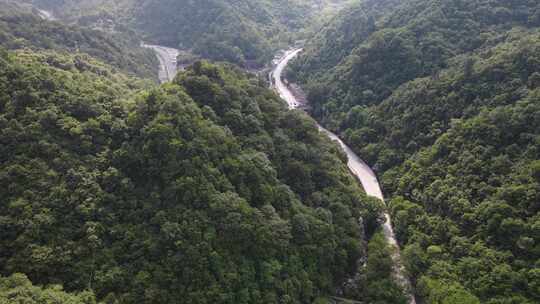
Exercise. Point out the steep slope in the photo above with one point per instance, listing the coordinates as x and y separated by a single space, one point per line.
239 31
441 97
469 211
206 189
336 40
466 200
383 44
20 28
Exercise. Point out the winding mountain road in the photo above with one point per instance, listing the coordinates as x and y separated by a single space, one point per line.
357 166
168 64
46 15
168 69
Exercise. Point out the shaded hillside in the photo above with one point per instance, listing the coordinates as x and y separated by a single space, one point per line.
383 44
20 28
207 188
238 31
441 97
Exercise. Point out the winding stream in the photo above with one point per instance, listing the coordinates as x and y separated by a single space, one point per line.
357 166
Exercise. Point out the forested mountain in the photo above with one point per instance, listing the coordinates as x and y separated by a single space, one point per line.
21 28
443 99
208 190
375 46
205 190
239 31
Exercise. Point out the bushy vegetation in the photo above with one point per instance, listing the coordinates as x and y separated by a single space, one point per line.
20 28
244 32
18 289
376 46
203 190
442 98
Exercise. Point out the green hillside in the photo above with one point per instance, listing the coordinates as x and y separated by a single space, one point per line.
239 31
376 46
20 28
442 98
18 289
206 189
469 185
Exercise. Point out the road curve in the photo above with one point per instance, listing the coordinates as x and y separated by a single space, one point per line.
46 15
168 64
358 167
167 56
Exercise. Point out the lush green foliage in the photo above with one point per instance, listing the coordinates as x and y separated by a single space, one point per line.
19 28
468 206
375 46
18 289
442 98
374 282
201 191
421 111
245 32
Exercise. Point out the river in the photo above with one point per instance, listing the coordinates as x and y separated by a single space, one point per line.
358 167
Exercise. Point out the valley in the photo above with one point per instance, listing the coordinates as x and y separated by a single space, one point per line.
144 157
357 166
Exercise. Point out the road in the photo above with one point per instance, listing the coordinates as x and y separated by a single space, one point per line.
167 56
277 80
168 64
358 167
46 15
168 68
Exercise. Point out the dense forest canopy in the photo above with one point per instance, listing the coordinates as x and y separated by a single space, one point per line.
238 31
442 98
202 190
208 190
18 289
21 27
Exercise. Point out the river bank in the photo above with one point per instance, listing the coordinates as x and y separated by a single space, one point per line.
357 166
